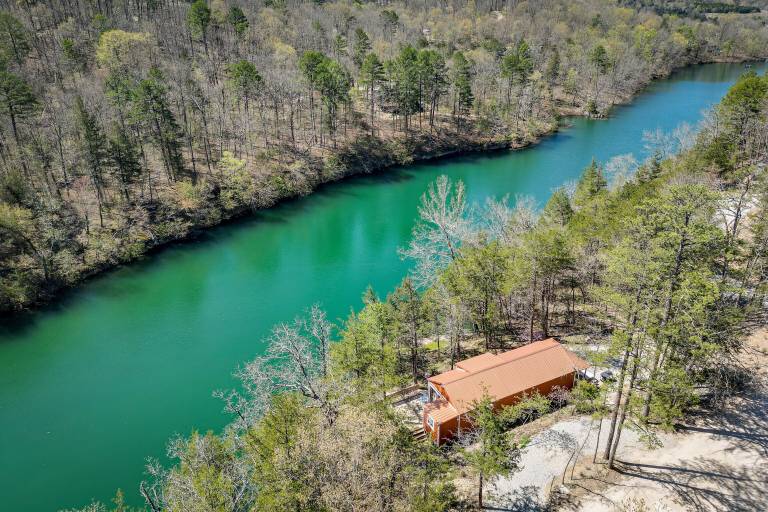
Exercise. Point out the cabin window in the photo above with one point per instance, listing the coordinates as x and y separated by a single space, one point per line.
431 422
434 394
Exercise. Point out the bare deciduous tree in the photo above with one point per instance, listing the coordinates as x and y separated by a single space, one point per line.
441 227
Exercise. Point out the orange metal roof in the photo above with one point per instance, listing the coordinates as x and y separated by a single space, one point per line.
449 376
440 410
505 374
477 363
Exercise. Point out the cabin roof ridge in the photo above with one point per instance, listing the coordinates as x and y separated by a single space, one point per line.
502 361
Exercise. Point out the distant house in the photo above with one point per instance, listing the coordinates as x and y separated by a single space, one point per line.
507 377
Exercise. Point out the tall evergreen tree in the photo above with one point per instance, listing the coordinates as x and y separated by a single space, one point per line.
334 83
94 148
462 85
599 58
152 110
361 47
245 79
237 19
364 351
478 277
590 184
14 40
516 66
16 100
496 453
198 19
124 156
558 209
407 84
339 46
311 65
371 76
433 77
409 312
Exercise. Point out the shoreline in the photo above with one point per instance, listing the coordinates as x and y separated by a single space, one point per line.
467 145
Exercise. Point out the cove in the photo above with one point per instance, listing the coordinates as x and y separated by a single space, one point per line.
93 385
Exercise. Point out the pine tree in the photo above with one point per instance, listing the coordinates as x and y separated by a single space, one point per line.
237 19
339 46
747 95
124 156
496 453
16 100
14 40
198 19
408 307
478 277
462 85
151 109
649 170
94 147
245 79
433 76
311 64
74 56
550 252
371 76
364 351
553 68
407 85
558 209
599 58
391 21
361 47
591 183
516 66
333 82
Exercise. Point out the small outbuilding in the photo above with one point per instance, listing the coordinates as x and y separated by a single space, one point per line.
507 377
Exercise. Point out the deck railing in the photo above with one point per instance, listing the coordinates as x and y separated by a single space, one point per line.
403 392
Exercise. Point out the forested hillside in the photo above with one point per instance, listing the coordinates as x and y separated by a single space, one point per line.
128 124
664 261
698 8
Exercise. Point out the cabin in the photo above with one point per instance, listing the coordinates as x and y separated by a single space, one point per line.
507 377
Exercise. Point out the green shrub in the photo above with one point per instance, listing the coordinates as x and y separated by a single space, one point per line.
585 396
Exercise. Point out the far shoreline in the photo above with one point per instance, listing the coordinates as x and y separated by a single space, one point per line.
58 293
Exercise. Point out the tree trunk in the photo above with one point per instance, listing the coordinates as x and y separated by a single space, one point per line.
620 386
13 126
533 311
620 427
373 131
480 491
667 316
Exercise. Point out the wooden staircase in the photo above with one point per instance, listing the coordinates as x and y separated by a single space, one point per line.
418 433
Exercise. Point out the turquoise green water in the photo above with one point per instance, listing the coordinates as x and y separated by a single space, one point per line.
95 384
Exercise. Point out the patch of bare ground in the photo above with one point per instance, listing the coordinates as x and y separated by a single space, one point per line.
528 486
716 461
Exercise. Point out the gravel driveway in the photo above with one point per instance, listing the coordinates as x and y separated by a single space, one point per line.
717 461
545 458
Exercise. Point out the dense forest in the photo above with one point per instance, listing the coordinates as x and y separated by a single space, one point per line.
665 261
128 124
696 9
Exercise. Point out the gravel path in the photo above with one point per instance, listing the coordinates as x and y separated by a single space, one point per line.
717 461
545 458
